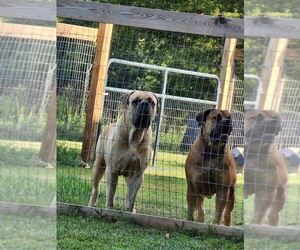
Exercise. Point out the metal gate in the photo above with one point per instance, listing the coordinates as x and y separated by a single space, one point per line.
163 96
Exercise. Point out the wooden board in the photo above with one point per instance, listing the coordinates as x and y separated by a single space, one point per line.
77 32
150 221
272 27
48 33
26 209
29 9
28 31
96 93
285 233
226 75
272 74
151 18
48 148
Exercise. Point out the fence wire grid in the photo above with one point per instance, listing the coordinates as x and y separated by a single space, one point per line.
163 192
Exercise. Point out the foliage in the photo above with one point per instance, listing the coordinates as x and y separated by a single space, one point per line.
69 120
208 7
20 122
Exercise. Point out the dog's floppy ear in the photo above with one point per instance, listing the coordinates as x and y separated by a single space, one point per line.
202 116
227 114
157 101
124 99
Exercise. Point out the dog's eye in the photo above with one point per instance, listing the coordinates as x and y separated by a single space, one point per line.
136 101
151 101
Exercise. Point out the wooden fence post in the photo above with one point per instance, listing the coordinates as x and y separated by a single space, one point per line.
226 75
97 90
48 148
272 84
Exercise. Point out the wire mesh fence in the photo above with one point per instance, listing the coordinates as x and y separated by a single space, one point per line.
27 78
163 192
271 137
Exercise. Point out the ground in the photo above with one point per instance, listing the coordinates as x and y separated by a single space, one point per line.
24 180
89 233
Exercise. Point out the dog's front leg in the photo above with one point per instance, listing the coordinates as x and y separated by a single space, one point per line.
221 200
111 186
133 183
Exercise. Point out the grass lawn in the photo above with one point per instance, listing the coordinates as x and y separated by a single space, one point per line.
27 232
163 192
89 233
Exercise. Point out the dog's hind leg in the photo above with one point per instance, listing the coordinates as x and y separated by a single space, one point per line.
229 206
263 200
199 209
221 200
98 171
191 202
276 206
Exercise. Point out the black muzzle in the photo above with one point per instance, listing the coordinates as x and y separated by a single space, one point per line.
142 115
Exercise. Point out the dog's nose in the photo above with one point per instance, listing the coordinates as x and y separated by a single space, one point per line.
226 125
144 106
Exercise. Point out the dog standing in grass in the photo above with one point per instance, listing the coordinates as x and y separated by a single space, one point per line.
124 148
210 168
265 172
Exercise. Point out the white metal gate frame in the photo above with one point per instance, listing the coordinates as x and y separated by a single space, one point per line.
162 95
259 90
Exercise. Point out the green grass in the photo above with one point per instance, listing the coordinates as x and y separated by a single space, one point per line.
163 192
257 242
89 233
23 178
27 232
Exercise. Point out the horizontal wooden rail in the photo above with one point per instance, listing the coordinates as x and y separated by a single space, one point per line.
77 32
151 18
272 27
148 220
26 209
29 9
27 31
48 33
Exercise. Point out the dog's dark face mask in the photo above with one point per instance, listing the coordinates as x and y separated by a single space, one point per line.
142 113
262 127
216 125
140 108
222 130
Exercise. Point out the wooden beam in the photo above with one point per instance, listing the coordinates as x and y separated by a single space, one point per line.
272 74
27 31
151 18
26 209
48 33
30 9
77 32
272 27
292 54
226 75
48 148
96 93
148 220
280 233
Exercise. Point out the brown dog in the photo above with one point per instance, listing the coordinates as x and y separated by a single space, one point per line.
124 148
264 171
210 168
